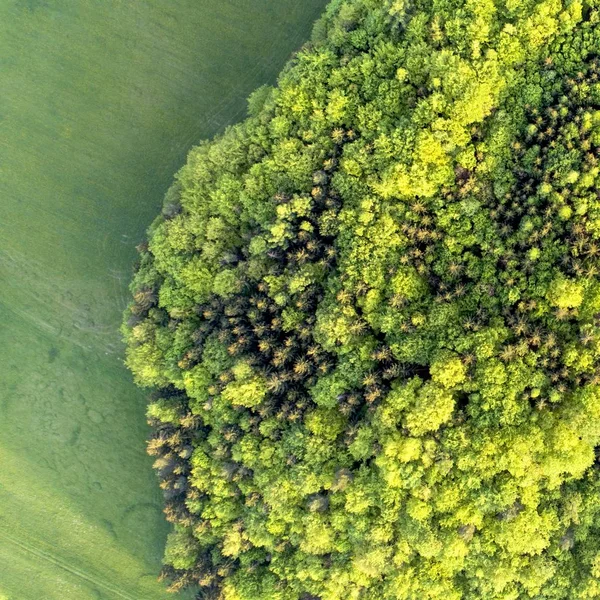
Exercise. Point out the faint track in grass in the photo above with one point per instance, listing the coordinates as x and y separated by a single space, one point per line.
30 548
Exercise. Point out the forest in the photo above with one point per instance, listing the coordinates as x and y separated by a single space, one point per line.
368 316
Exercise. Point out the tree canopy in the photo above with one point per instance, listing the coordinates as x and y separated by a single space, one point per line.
370 316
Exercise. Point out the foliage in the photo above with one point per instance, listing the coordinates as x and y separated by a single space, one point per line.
374 308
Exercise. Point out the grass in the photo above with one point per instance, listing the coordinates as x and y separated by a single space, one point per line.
101 100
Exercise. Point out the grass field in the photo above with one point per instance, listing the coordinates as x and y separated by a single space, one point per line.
101 99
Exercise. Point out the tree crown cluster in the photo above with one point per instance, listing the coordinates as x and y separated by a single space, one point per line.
370 316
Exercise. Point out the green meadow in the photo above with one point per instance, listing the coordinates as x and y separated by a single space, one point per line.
100 102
